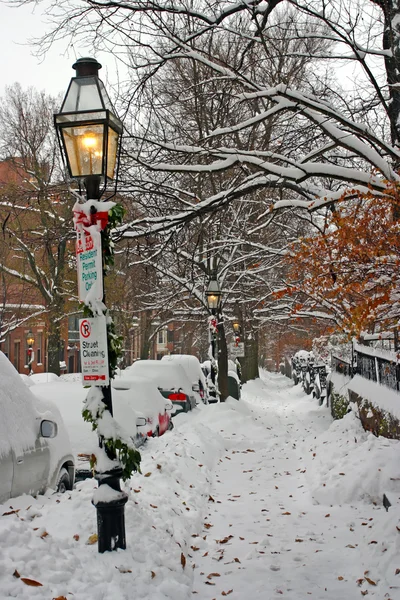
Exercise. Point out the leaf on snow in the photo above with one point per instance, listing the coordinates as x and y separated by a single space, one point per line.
153 574
17 575
213 575
226 593
225 539
147 474
31 582
183 560
370 581
92 539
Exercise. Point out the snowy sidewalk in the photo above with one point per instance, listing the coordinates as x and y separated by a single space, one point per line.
262 499
263 537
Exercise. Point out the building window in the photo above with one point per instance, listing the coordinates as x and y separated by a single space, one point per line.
39 348
170 335
161 337
73 328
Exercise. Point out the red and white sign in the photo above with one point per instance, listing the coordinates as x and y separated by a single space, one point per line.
94 354
88 252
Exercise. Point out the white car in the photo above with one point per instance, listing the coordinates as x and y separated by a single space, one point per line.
142 395
69 397
35 451
193 370
170 379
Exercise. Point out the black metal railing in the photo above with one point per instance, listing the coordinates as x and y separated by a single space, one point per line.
342 365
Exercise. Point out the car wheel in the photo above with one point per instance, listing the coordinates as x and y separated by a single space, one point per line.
63 482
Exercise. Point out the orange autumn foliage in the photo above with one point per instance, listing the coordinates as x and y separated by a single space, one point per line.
350 267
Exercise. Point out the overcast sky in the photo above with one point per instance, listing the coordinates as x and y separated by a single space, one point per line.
17 62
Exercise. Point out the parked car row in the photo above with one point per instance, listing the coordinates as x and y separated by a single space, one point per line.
44 441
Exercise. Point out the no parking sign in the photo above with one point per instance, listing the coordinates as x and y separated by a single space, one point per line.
94 355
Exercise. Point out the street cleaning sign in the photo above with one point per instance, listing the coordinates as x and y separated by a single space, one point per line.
89 265
94 355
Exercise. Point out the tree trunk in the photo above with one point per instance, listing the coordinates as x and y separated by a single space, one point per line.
391 41
222 363
249 362
145 341
54 342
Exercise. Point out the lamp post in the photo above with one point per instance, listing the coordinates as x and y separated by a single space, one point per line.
213 296
89 131
30 340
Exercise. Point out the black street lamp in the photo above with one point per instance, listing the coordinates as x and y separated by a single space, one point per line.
89 131
213 296
30 340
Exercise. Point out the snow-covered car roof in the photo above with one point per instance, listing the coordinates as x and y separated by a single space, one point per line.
19 418
190 364
44 377
166 374
142 394
17 409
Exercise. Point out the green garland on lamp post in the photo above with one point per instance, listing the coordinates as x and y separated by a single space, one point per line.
127 454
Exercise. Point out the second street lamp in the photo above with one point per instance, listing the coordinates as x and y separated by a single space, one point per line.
213 296
30 340
89 131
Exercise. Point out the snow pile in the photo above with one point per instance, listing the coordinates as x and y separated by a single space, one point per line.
263 498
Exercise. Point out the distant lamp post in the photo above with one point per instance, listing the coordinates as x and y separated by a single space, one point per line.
30 341
236 331
213 296
236 327
88 131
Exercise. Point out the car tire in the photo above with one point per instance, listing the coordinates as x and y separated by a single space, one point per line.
63 481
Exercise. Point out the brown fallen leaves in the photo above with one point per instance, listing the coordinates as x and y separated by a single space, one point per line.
92 539
225 540
27 580
31 582
183 560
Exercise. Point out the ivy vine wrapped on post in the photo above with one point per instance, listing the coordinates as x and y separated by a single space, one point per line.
119 444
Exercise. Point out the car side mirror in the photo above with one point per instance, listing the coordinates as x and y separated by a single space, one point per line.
48 429
141 421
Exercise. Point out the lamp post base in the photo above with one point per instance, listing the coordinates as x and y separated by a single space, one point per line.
110 501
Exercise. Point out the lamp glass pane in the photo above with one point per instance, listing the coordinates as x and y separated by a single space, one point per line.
212 301
83 94
112 152
84 148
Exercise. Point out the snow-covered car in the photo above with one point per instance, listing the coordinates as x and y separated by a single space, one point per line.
43 377
170 379
142 395
35 451
192 368
69 397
